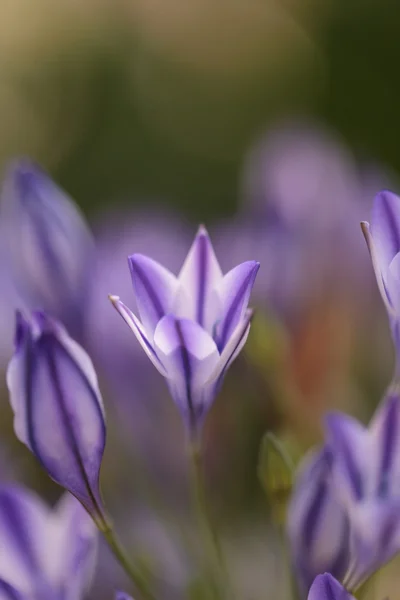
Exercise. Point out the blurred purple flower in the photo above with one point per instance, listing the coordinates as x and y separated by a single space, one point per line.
317 526
303 191
46 243
192 326
326 587
122 596
383 240
44 553
58 408
366 479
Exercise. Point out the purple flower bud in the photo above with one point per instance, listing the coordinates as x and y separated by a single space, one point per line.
58 410
47 244
383 240
44 553
326 586
366 479
192 326
317 526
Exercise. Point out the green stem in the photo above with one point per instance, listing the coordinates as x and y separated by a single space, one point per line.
131 570
210 534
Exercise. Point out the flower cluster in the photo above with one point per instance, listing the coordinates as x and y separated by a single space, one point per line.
343 520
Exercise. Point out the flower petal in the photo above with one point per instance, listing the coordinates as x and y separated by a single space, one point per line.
71 548
23 522
58 407
234 293
385 433
198 278
232 349
326 587
385 227
189 355
9 592
378 267
317 526
138 329
350 446
155 289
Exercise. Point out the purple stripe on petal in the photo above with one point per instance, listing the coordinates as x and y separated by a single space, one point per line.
9 592
313 515
187 371
202 274
138 272
238 298
392 229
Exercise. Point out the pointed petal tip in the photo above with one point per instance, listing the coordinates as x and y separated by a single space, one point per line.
202 230
113 299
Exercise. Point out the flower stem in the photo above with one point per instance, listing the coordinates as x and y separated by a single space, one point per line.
210 534
130 569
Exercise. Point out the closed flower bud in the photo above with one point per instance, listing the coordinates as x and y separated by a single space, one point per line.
58 409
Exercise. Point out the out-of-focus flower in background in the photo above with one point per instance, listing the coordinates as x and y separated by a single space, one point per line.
46 244
44 553
58 409
192 326
317 525
366 478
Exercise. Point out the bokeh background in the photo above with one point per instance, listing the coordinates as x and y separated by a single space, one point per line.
274 123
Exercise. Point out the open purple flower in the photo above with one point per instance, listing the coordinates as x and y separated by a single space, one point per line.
317 526
44 553
383 240
192 326
57 406
46 242
366 479
326 587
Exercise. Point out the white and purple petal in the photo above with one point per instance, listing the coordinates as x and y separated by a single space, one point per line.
385 228
198 279
133 322
189 355
155 289
71 548
23 522
317 526
352 451
234 294
58 408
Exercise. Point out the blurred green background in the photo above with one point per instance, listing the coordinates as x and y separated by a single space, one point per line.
129 100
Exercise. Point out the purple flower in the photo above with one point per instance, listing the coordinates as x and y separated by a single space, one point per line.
44 553
58 410
366 480
192 326
122 596
383 240
326 587
46 242
317 526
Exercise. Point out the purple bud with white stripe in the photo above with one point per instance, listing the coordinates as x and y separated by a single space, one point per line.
191 326
383 241
58 409
326 587
317 526
366 477
44 553
47 244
